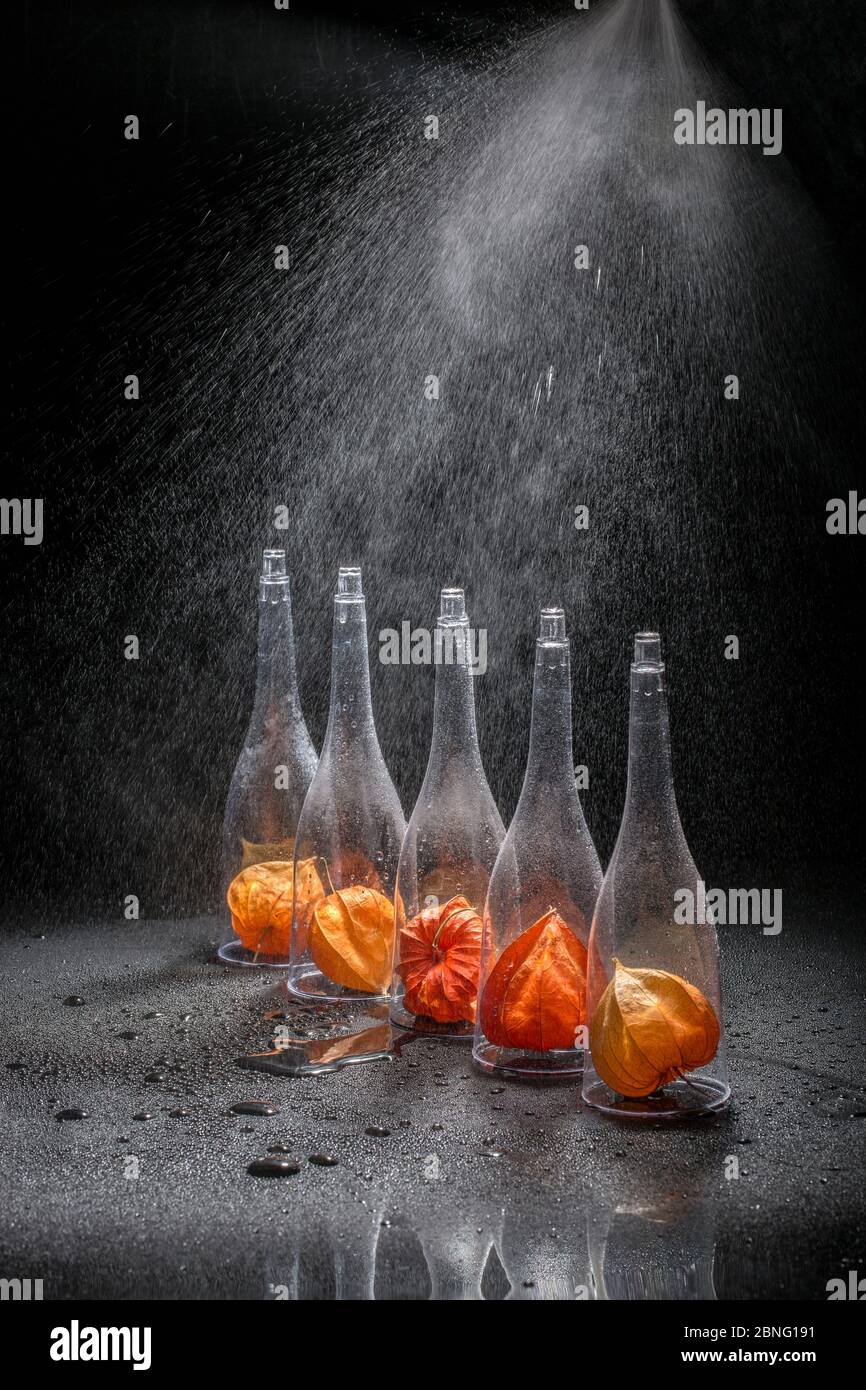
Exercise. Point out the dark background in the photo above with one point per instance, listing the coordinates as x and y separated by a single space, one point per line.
146 259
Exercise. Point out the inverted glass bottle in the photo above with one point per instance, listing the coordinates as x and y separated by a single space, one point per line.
271 778
654 997
451 845
532 1015
349 835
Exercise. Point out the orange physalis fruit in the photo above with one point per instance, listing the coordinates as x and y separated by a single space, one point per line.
535 996
266 852
649 1028
352 938
353 867
440 953
260 898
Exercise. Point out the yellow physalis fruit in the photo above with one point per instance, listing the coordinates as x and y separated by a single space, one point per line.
352 938
268 852
260 898
649 1028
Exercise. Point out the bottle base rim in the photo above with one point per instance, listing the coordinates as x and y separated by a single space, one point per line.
308 983
235 953
680 1100
461 1032
522 1064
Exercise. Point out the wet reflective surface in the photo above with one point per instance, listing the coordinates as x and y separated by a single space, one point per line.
447 1184
364 1035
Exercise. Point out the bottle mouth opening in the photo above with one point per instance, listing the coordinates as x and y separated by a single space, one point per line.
648 651
349 584
551 625
452 607
274 567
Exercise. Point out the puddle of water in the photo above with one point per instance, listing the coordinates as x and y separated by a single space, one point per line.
377 1042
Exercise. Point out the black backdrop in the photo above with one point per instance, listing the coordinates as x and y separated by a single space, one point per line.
115 773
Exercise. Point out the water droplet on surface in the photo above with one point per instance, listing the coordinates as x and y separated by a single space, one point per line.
73 1113
273 1168
142 1115
155 1076
378 1131
253 1107
73 999
324 1160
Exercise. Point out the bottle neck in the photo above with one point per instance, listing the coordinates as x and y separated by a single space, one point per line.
550 746
351 701
276 673
650 792
454 731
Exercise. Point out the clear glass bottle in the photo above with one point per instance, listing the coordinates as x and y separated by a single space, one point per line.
349 835
271 778
451 844
654 997
532 1015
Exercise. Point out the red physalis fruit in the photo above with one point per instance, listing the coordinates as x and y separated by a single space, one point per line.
440 954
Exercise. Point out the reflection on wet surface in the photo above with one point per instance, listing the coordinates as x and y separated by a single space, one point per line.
640 1249
628 1238
628 1250
418 1177
365 1036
